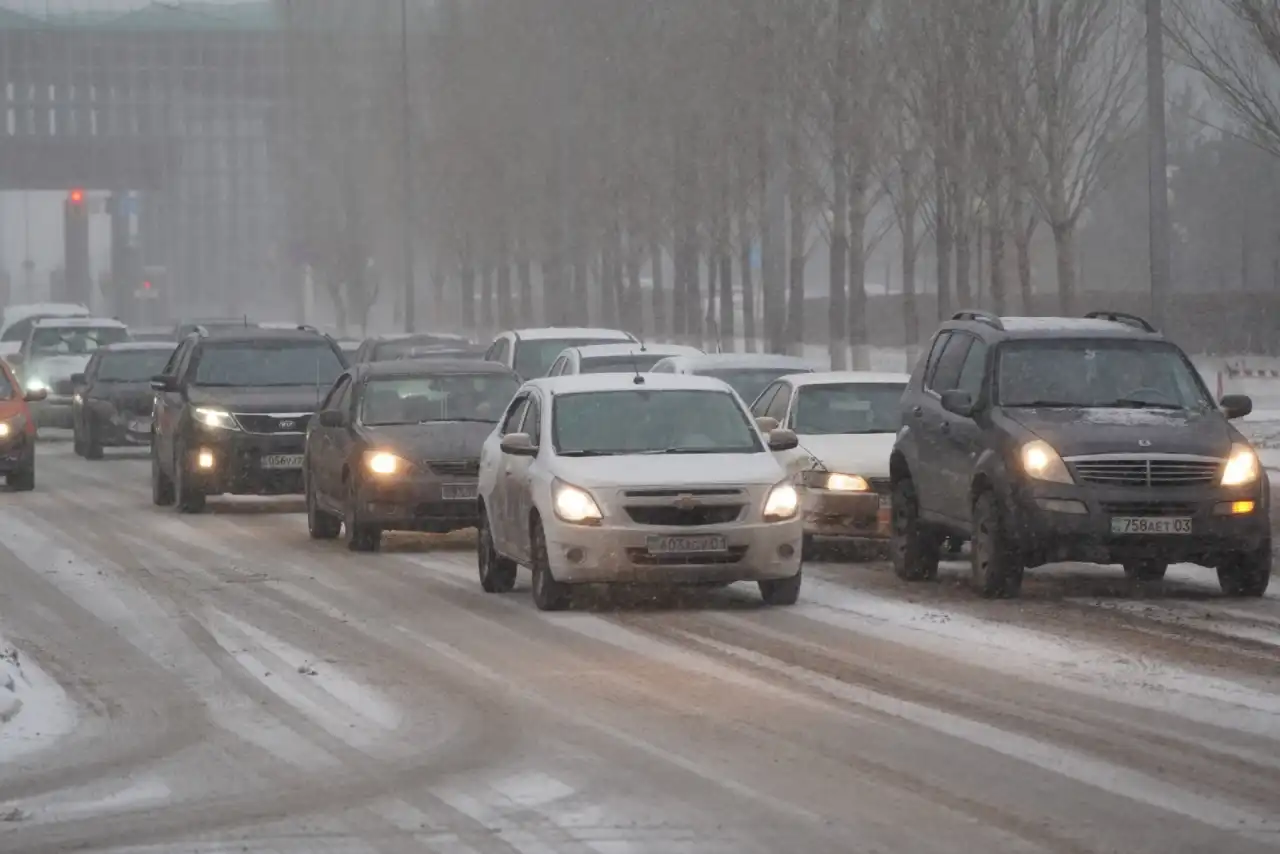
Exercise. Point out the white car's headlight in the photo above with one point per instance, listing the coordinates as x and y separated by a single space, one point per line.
383 463
847 483
217 418
37 384
1041 461
1242 466
782 504
574 505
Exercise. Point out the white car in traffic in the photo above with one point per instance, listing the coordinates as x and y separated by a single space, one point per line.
629 479
845 423
614 358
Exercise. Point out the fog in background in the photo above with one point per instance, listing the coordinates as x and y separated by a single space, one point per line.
827 171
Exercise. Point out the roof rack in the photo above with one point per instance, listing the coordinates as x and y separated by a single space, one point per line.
1122 317
979 316
200 330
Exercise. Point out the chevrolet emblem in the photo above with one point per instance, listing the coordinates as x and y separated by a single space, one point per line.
685 501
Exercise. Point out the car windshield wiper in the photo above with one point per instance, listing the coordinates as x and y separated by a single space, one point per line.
1047 404
465 420
1133 403
660 451
589 453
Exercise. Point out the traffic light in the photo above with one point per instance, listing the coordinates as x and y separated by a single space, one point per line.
75 198
146 286
77 285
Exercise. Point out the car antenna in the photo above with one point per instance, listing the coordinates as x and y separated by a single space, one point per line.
635 366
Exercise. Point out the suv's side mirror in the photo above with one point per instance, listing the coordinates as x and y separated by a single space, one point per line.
36 396
767 424
958 402
1236 405
332 418
518 445
77 379
783 440
163 382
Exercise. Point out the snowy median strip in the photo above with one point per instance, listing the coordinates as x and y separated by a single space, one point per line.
34 710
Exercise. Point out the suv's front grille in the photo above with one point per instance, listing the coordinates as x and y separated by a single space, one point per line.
273 422
1147 471
680 517
1147 508
455 468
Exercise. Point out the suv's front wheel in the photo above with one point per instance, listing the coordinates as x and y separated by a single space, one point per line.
1246 574
189 497
916 550
997 565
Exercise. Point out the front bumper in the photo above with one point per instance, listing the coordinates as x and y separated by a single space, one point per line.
581 554
420 502
240 463
1057 522
848 515
16 452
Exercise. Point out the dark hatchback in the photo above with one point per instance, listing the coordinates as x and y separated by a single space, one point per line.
1088 439
232 411
386 348
396 447
114 399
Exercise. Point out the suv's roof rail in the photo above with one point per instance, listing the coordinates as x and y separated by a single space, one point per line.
980 316
1122 317
200 330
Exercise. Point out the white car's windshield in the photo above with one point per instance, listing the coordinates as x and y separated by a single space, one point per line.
74 340
1097 374
267 363
444 397
748 382
842 408
606 423
132 366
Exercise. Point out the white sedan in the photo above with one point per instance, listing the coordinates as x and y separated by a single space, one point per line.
622 478
846 423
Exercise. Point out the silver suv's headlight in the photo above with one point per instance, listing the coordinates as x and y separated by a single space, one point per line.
782 504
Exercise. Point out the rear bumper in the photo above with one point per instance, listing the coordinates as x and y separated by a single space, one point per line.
420 503
859 515
115 429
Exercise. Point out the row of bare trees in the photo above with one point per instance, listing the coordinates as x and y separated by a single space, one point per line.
670 166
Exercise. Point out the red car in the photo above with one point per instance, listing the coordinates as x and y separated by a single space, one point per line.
17 432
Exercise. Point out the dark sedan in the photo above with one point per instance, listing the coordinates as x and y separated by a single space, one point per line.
385 348
113 398
396 447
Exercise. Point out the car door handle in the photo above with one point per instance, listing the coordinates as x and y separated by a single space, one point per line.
946 426
917 411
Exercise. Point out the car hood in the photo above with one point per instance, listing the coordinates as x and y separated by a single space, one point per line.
670 470
250 399
866 454
52 368
1110 431
435 440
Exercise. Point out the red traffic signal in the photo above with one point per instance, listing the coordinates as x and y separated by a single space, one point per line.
146 286
76 196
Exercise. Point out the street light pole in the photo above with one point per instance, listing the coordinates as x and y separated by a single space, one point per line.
1158 162
406 159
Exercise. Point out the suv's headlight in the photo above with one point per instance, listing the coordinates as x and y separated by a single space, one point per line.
1242 466
384 463
782 504
36 384
574 505
217 418
1041 461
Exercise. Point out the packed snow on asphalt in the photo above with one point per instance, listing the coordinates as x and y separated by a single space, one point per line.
222 683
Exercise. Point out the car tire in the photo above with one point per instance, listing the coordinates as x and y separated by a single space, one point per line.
548 594
361 536
161 486
77 444
320 524
915 550
187 498
809 550
1246 574
92 447
996 565
23 479
781 591
1146 569
497 573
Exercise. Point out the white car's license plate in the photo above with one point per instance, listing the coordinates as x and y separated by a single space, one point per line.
458 492
705 544
140 425
282 461
1150 525
886 502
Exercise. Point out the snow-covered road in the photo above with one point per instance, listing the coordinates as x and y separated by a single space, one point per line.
222 683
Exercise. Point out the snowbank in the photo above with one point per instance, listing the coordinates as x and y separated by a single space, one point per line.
34 710
10 676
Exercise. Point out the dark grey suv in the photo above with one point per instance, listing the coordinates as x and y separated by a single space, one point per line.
1045 439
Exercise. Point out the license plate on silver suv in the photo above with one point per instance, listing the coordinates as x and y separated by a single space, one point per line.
1150 525
687 545
282 461
458 492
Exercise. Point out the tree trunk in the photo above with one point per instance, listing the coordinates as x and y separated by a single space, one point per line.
488 317
551 288
633 311
943 241
1064 244
728 332
749 330
964 266
910 311
856 322
658 294
609 270
996 245
711 329
580 310
693 297
506 299
838 309
467 288
796 264
439 285
1022 236
527 312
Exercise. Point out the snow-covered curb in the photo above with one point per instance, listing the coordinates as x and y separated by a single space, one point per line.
10 679
34 709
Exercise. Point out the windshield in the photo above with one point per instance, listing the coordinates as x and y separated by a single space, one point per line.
75 340
845 408
447 397
749 382
1093 374
132 366
534 358
641 421
639 363
267 363
401 348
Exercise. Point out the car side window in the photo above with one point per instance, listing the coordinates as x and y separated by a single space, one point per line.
533 420
333 400
558 368
515 414
187 360
327 403
974 370
498 353
780 403
343 403
91 367
171 366
761 405
946 373
931 362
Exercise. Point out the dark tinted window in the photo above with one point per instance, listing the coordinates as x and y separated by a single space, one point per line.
974 370
1097 374
267 363
749 382
131 366
946 372
403 347
515 414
